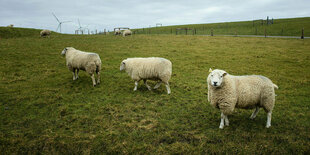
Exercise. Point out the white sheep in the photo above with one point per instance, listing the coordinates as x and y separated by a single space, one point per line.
78 60
152 68
228 92
117 32
126 33
11 25
45 33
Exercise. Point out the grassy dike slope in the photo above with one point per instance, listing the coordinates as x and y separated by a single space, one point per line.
281 27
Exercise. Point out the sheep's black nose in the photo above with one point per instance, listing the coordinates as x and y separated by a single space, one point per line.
215 83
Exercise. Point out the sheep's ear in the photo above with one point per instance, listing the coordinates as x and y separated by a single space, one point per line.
225 73
210 70
123 63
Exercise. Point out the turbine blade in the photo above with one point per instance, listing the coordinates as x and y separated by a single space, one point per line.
55 17
66 21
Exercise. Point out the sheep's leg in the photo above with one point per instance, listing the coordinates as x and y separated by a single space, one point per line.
94 80
255 113
77 74
98 77
136 85
226 120
157 85
73 73
268 124
222 121
168 88
148 87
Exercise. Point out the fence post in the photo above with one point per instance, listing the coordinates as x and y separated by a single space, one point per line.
282 32
265 33
211 32
302 33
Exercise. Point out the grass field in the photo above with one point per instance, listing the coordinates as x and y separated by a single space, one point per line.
43 111
280 27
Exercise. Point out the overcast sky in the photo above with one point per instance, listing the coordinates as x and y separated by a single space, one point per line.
101 14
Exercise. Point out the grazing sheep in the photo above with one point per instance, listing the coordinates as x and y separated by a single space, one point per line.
117 32
153 68
45 33
11 25
126 33
228 92
78 60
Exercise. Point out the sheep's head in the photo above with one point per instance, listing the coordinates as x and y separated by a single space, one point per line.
216 77
123 65
64 51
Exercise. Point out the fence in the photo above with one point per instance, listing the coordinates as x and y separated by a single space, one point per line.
258 30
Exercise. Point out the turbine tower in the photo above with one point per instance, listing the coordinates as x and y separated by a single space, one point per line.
60 22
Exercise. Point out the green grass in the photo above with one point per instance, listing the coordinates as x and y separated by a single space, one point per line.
43 111
14 32
281 27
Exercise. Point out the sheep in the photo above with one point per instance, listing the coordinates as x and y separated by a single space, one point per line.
152 68
11 25
227 92
117 32
45 33
78 60
126 33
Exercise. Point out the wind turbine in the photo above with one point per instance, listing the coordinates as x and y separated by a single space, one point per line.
81 29
59 25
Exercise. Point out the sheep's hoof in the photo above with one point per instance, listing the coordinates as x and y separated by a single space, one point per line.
268 126
221 127
94 85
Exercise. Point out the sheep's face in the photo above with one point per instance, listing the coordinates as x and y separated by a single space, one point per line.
123 65
216 77
64 51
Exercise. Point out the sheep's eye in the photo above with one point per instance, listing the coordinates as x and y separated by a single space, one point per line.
211 75
221 76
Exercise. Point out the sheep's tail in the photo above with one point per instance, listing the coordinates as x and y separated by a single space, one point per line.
275 86
98 65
